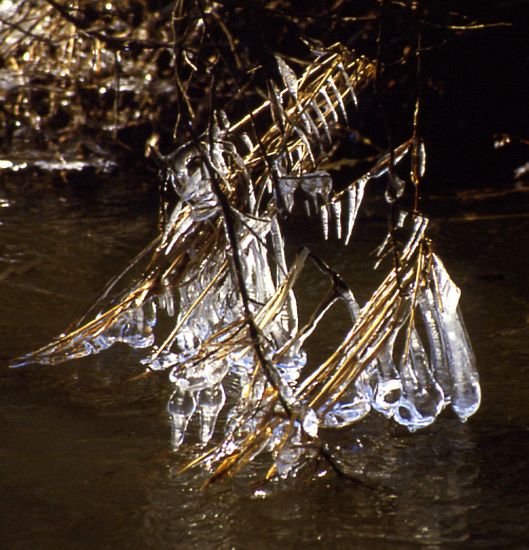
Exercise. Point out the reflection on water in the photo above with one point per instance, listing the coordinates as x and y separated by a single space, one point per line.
431 492
85 457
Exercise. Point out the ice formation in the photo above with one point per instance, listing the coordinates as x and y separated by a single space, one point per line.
219 270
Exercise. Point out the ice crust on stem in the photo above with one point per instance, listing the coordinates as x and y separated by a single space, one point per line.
221 277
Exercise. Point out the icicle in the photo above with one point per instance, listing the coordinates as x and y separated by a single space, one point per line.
401 218
347 297
328 101
264 286
422 159
245 138
336 206
223 121
179 230
388 387
289 77
350 215
348 82
324 214
276 107
383 249
321 119
438 357
422 398
279 252
306 204
355 194
356 401
308 124
338 96
306 143
169 303
211 402
217 158
465 392
313 130
181 408
287 188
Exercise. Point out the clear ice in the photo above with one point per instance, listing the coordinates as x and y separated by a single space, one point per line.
417 361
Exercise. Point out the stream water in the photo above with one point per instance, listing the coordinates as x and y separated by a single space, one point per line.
85 455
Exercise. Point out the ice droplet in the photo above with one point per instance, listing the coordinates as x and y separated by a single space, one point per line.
394 189
310 423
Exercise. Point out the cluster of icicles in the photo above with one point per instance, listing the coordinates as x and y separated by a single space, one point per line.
418 360
437 370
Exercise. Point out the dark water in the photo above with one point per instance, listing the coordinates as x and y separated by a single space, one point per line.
85 459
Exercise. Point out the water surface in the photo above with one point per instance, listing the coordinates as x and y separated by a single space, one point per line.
85 457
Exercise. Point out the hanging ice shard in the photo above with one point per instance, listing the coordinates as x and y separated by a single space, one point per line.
289 77
438 356
349 83
324 215
321 119
287 188
422 398
331 110
337 212
355 194
338 97
212 400
181 408
465 389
